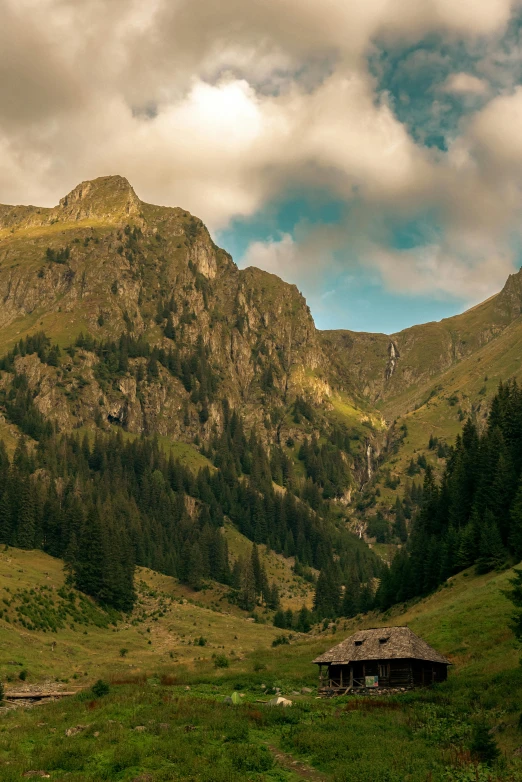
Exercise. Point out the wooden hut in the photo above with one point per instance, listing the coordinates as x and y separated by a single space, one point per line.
381 658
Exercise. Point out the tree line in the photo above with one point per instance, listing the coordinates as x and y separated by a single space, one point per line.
106 503
473 515
59 496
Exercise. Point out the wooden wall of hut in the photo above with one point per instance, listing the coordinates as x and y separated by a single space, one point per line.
391 673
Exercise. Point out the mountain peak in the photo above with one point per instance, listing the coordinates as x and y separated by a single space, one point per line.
104 197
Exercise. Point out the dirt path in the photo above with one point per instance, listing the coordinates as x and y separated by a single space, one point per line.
289 763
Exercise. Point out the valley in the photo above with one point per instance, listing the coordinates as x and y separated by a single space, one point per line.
128 733
200 492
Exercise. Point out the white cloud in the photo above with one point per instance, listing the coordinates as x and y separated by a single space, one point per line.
219 105
465 83
435 271
279 256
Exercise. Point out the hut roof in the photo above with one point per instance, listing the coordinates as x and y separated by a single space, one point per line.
382 643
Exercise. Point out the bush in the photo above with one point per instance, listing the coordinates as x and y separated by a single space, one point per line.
280 640
2 693
100 688
251 757
483 746
221 661
123 652
23 675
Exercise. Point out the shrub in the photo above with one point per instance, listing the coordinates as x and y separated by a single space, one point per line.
169 679
251 757
123 652
23 675
280 640
100 688
483 745
2 693
221 661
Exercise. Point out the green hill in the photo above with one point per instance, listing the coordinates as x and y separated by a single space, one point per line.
155 698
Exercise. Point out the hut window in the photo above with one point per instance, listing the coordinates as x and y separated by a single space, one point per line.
383 640
358 643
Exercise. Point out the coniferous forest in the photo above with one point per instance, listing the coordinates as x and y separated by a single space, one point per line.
473 515
106 502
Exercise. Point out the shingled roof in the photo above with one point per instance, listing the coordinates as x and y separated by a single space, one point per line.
382 643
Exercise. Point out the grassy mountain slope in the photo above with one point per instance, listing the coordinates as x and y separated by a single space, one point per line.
422 736
425 353
438 408
104 263
88 643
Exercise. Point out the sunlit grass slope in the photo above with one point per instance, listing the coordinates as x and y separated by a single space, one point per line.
166 623
167 720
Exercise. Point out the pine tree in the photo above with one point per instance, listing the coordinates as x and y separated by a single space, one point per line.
515 595
170 331
466 550
195 570
26 526
491 552
351 598
399 528
515 535
304 620
274 601
257 570
5 518
280 619
366 600
89 571
247 589
327 593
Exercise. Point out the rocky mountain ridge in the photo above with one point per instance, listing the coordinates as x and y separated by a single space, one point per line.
383 366
104 263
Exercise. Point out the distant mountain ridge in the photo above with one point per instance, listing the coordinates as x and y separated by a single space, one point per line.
383 366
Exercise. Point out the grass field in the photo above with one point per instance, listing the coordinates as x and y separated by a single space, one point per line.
166 622
165 718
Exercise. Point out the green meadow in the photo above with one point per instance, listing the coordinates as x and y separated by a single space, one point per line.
165 717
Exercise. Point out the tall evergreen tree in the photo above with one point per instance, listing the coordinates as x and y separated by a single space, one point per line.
515 595
327 597
5 518
26 526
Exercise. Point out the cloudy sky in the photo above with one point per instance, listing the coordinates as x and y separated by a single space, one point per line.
369 151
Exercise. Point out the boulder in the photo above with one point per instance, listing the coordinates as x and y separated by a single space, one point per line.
75 730
280 701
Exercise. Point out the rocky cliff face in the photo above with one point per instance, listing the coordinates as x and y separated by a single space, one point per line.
104 263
